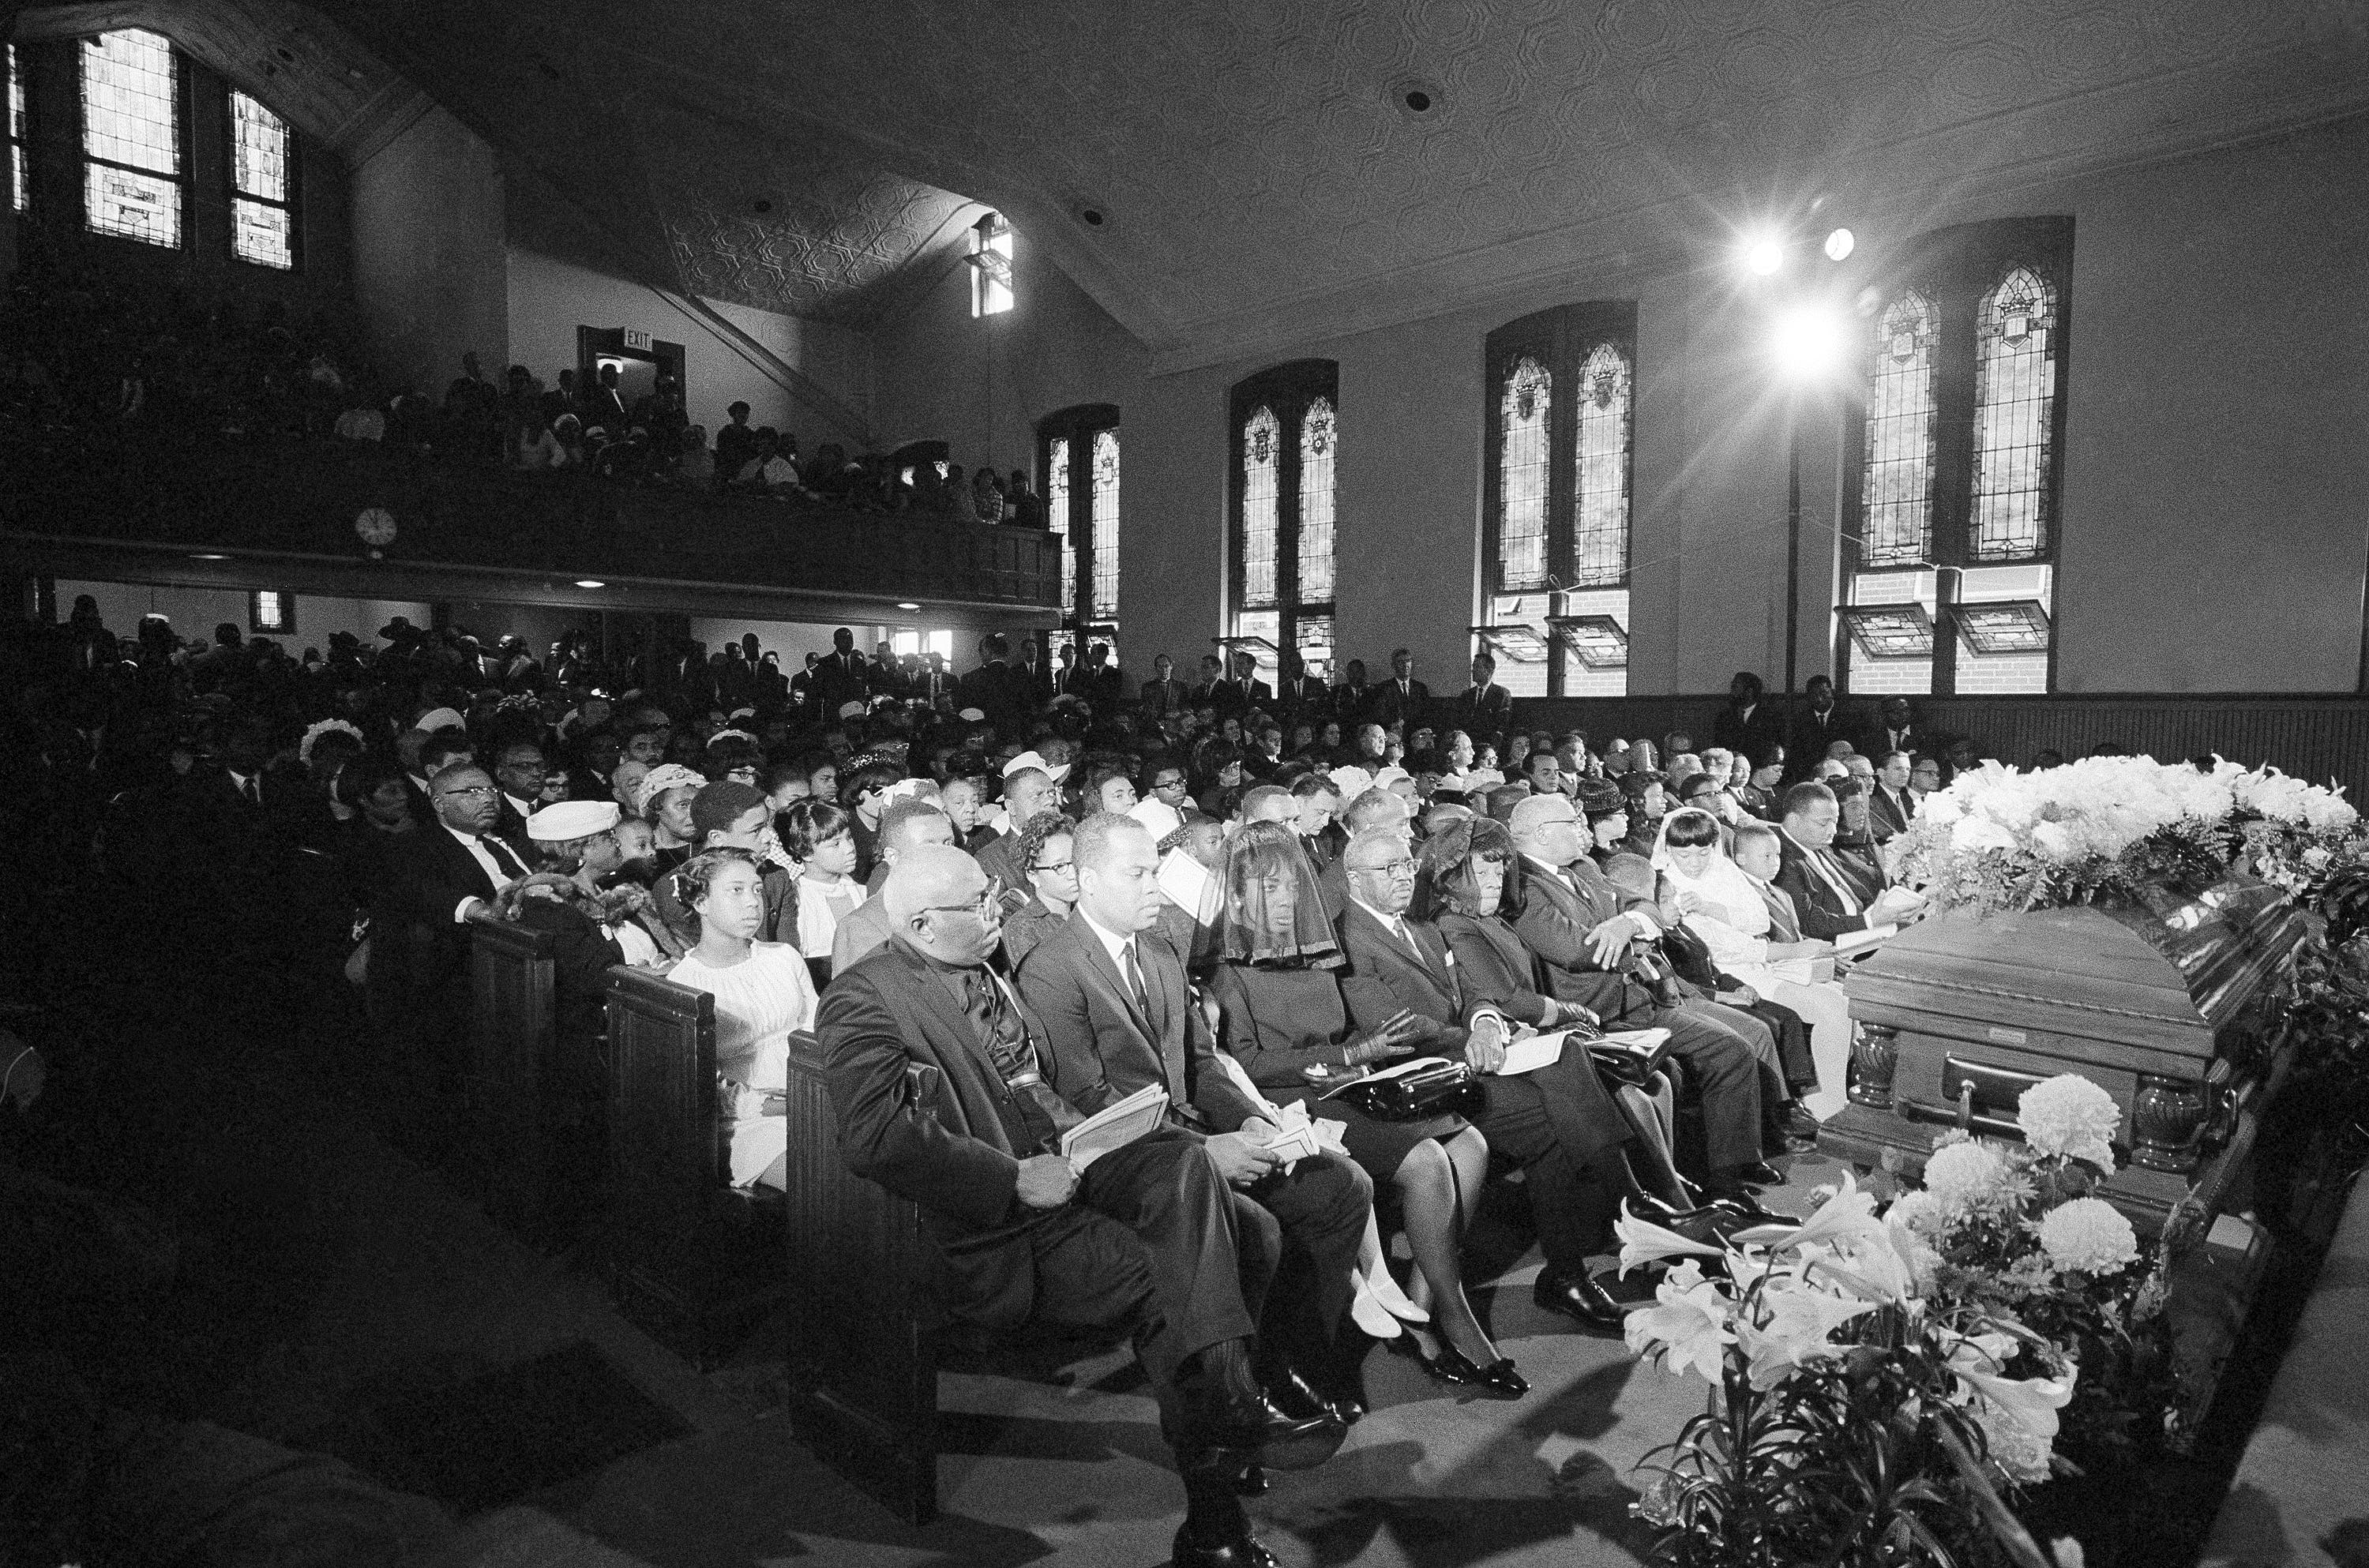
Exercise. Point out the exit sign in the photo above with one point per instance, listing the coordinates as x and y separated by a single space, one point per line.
637 339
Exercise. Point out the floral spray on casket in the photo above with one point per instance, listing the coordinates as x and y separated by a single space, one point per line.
1884 1380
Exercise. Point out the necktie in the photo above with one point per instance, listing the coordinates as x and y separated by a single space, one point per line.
503 856
1780 919
1005 1040
1135 985
1406 936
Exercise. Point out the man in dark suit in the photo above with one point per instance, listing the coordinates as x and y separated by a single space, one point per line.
1119 1014
1213 690
1353 697
442 877
1580 928
1103 685
1833 900
1894 730
1033 676
937 1072
1485 711
1027 791
996 689
1748 725
842 676
1556 1123
1404 700
1255 692
1306 698
1162 694
519 770
1894 805
1818 727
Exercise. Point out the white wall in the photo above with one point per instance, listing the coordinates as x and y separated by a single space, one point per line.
549 299
194 612
427 221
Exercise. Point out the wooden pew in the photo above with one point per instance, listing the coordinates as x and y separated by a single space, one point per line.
862 1367
695 1262
512 1035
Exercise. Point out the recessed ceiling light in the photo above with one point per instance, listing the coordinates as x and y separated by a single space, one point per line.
1840 244
209 557
1094 214
903 605
1762 254
1416 97
590 582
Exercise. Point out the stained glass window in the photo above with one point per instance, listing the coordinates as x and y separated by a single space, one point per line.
1522 467
1282 528
1955 483
1900 427
1057 513
1262 463
131 136
1318 433
1105 515
262 228
20 187
2015 386
1600 528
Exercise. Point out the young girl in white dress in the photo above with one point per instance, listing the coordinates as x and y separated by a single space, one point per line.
763 995
821 838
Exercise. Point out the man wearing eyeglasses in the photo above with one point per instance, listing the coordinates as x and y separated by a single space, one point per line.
1556 1123
443 877
938 1071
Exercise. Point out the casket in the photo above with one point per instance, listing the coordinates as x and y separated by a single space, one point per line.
2162 1005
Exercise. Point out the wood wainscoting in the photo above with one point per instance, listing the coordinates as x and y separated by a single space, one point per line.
2314 738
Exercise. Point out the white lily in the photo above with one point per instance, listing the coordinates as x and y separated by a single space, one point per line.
1642 1241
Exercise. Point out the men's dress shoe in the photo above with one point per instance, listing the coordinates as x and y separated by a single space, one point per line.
1250 1424
1296 1396
1578 1296
1800 1122
1498 1379
1243 1552
1760 1172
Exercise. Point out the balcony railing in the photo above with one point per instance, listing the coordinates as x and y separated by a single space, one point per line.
297 503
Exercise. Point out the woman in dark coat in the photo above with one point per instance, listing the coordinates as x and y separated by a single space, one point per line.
1282 1016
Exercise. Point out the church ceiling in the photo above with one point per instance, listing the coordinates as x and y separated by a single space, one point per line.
1258 170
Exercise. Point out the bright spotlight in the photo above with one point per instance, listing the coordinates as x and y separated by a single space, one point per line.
1807 343
1763 256
1840 244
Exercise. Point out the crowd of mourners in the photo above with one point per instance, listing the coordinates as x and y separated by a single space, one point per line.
1057 888
79 355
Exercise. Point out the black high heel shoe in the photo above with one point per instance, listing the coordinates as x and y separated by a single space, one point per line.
1498 1379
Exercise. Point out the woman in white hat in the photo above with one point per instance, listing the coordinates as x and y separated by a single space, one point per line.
664 797
763 995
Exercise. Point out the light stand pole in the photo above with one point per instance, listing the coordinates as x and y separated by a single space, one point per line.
1792 546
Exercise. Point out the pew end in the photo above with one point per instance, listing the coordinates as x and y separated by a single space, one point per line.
863 1364
513 1036
692 1261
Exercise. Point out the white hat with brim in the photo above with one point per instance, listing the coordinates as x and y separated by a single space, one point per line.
571 819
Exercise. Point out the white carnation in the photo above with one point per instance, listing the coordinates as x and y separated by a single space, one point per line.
1965 1175
2328 811
2087 1235
2070 1116
1920 1210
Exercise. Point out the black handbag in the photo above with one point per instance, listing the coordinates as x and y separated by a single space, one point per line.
1618 1066
1442 1088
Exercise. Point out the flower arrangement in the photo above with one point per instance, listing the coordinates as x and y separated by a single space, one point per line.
1882 1380
2098 830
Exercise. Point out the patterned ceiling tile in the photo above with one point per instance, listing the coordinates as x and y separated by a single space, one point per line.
1250 153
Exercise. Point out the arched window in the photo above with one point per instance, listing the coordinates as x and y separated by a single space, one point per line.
1560 407
1286 432
1899 447
1950 579
1077 453
2015 385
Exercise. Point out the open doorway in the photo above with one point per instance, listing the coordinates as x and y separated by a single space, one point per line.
638 365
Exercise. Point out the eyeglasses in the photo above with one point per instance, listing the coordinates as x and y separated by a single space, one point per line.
1390 868
1053 866
478 791
983 905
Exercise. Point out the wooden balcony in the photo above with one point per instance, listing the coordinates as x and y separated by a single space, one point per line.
282 514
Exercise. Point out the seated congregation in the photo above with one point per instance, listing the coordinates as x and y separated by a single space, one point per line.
992 924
